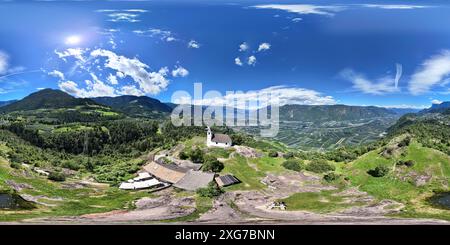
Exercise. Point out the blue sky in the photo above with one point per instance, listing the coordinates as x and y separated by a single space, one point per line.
394 53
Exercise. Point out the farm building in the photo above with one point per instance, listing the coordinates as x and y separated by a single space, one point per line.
167 172
226 180
194 180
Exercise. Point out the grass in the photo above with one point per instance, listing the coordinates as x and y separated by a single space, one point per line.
249 177
397 185
319 202
74 201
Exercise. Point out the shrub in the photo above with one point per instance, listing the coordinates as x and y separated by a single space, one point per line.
320 166
273 154
212 164
56 176
379 171
212 190
197 155
15 165
183 155
288 155
331 176
407 163
292 164
71 165
404 142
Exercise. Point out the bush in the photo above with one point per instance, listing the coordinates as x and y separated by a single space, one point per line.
292 164
71 165
405 142
331 176
56 176
288 155
212 164
379 171
273 154
196 155
212 190
320 166
407 163
15 165
183 155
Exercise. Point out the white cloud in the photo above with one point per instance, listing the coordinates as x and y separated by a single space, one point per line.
381 86
57 74
296 20
243 47
180 72
403 106
4 63
433 71
251 60
112 79
263 47
238 61
130 90
282 95
394 6
94 88
436 102
77 53
304 8
124 17
193 44
150 82
164 35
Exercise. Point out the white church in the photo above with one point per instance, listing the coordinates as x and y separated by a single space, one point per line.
217 140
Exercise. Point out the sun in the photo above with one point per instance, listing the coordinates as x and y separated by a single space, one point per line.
73 40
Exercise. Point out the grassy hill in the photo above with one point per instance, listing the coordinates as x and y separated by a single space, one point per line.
46 99
136 106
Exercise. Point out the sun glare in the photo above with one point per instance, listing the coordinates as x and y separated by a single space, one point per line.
73 40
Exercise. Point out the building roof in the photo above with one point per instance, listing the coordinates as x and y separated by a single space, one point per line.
166 172
226 180
139 184
221 138
194 180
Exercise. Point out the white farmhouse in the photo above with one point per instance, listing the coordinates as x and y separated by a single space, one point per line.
218 140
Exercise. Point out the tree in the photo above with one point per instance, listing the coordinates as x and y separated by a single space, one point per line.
273 154
212 190
288 155
293 164
212 164
331 176
197 155
56 176
379 171
183 155
320 166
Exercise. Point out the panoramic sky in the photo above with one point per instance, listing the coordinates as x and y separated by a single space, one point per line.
384 53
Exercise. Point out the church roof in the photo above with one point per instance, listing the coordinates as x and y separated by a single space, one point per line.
221 138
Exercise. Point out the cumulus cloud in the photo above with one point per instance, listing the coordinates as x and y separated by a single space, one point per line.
436 102
251 60
380 86
434 71
57 74
112 79
130 90
150 82
180 72
304 8
281 95
77 53
238 61
263 47
193 44
243 47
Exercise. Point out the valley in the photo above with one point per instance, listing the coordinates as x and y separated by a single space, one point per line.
67 159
